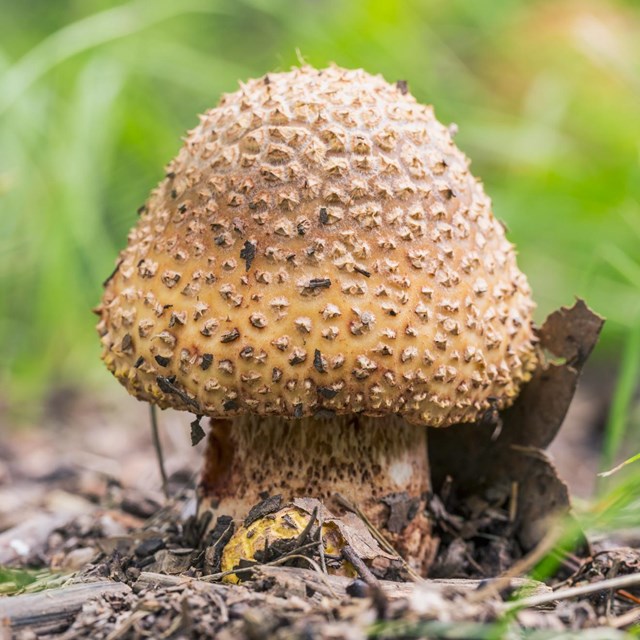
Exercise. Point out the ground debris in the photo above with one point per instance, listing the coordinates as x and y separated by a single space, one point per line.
216 542
267 506
167 589
47 613
147 567
160 603
609 563
402 509
287 602
476 534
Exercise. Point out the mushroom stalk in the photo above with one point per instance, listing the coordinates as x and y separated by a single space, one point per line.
378 464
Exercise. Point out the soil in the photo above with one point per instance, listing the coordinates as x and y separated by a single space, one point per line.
87 508
90 546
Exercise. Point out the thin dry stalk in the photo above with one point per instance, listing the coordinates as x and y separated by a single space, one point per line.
157 445
363 571
624 620
620 582
295 554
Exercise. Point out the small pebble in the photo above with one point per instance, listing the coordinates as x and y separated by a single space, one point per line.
358 589
149 546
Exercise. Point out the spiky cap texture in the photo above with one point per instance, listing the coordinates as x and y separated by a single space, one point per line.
320 244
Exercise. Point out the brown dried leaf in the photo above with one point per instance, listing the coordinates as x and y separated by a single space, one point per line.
351 527
477 460
312 504
569 334
359 538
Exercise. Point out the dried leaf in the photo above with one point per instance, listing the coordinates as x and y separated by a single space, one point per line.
197 432
476 460
536 416
571 333
264 508
351 527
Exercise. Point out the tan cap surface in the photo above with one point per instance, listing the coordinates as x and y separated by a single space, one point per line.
319 243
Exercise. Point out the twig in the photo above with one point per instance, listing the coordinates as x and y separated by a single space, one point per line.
363 571
295 554
513 502
382 541
620 582
223 616
149 579
380 600
470 559
214 577
175 625
158 447
305 532
51 606
629 596
349 506
612 573
323 563
299 556
625 619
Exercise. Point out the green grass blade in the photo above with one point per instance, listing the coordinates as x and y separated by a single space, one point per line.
88 33
628 461
623 395
623 264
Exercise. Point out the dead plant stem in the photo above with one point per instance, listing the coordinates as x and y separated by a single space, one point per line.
619 582
158 447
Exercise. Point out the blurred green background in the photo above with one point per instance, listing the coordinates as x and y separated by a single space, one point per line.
94 97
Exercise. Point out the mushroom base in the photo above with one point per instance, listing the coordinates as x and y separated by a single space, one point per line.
378 464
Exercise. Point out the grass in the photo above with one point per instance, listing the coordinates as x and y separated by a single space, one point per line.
95 95
17 581
13 580
624 463
619 415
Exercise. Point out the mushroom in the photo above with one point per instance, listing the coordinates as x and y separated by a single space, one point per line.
322 276
271 534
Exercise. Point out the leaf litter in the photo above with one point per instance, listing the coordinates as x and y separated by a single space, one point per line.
124 566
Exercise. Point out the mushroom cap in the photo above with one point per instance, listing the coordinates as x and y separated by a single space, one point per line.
319 245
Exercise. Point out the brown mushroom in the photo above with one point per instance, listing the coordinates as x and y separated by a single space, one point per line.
320 273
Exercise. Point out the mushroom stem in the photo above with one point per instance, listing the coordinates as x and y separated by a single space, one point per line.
379 464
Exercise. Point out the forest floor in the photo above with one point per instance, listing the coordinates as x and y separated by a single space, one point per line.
90 547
